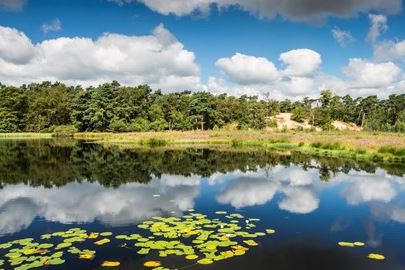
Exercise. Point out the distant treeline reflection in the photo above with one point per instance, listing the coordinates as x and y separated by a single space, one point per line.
55 163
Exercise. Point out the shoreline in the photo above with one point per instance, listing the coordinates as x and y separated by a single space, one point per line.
365 146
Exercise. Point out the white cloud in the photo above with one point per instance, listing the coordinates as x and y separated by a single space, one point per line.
246 70
158 59
12 5
365 74
342 37
300 62
378 25
258 75
15 47
304 10
53 26
389 51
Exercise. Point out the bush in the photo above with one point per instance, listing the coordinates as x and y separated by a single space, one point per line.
299 114
64 131
396 151
118 125
154 142
327 146
159 125
139 125
236 143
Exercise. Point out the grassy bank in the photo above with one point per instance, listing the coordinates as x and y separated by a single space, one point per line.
25 135
379 147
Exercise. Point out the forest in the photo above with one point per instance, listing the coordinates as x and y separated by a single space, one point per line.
46 107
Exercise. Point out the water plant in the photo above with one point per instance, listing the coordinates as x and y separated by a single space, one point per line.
193 236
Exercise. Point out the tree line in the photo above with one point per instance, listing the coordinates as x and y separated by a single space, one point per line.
47 106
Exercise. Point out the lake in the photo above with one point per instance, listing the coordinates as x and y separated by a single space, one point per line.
217 204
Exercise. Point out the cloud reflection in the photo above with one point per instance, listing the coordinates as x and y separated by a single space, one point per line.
87 202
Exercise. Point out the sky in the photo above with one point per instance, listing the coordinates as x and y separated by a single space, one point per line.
269 48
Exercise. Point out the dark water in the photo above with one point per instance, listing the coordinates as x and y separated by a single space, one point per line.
49 186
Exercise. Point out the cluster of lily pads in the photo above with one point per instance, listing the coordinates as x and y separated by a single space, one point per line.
196 237
372 256
193 236
24 254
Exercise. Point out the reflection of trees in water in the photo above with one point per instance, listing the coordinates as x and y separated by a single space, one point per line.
55 163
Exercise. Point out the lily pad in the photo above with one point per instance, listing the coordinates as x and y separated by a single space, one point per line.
152 264
102 241
110 264
376 256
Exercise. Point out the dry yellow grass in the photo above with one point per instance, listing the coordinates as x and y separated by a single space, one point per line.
350 139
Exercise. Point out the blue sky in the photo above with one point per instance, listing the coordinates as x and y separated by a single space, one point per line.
222 31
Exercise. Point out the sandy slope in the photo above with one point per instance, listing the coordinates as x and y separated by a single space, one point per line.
284 121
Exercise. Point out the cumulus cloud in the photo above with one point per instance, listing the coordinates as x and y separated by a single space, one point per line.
15 47
53 26
300 62
12 5
389 51
365 74
245 69
342 37
257 75
378 25
157 59
305 10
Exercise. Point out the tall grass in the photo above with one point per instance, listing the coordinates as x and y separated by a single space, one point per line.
154 142
396 151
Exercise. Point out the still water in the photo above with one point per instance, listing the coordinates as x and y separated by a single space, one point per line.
312 204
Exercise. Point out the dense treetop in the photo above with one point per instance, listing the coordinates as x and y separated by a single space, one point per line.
112 107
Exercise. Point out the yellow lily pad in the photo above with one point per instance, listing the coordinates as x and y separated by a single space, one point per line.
102 241
346 244
152 264
191 257
110 264
205 261
376 256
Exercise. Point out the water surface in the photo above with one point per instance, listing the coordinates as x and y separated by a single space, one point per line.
49 186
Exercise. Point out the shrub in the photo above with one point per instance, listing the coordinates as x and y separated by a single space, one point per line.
154 142
396 151
236 143
64 131
139 125
328 146
118 125
159 125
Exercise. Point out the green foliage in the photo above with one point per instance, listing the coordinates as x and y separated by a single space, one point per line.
299 114
327 146
154 142
139 124
64 131
118 125
396 151
112 107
